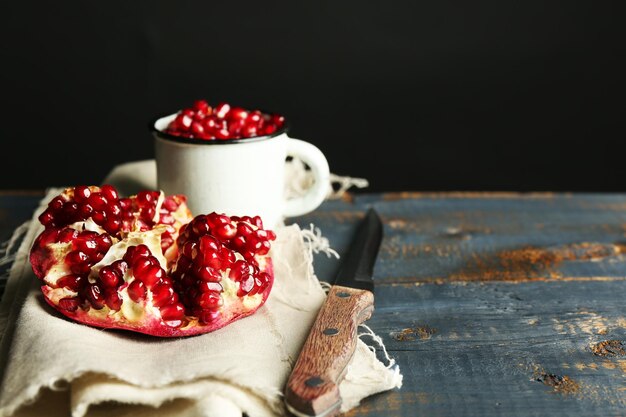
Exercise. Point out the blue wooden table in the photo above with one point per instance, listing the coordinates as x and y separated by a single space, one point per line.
493 304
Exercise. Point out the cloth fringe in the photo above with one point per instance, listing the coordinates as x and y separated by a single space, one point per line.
341 184
300 179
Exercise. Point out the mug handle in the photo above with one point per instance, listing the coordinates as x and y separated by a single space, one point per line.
315 159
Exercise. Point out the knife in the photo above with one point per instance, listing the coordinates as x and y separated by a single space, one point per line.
312 389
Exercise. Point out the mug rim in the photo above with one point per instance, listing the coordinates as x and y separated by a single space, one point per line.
195 141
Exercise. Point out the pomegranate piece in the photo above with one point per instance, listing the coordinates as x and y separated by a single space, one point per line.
223 122
160 272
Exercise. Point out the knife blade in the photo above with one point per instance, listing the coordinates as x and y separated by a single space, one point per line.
312 389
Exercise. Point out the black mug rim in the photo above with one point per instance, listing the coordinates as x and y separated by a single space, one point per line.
195 141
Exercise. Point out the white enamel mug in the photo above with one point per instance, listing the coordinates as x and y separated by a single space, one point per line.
241 177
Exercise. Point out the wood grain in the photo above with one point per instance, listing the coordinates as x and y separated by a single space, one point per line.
313 387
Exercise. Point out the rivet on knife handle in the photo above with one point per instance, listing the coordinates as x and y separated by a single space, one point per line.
313 387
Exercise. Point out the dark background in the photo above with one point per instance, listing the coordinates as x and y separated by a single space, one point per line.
412 95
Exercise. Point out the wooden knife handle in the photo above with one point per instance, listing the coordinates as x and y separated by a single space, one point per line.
313 387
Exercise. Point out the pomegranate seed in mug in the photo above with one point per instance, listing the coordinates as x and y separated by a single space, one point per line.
222 122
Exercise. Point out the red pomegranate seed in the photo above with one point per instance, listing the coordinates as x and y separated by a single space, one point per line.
85 211
109 277
170 204
126 203
249 130
78 262
99 217
136 290
255 117
228 257
245 286
67 235
114 209
135 252
237 113
174 311
151 276
235 128
225 231
238 243
56 204
143 264
243 229
147 214
113 300
264 248
209 244
162 295
189 249
239 269
71 281
46 218
98 201
211 123
109 192
86 242
277 120
269 129
95 297
112 225
210 258
222 134
210 300
207 316
49 236
71 212
197 128
183 121
207 286
255 288
200 105
69 303
221 110
200 226
145 198
120 266
215 219
81 193
104 242
206 273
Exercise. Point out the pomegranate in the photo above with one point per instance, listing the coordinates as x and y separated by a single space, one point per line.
142 263
222 122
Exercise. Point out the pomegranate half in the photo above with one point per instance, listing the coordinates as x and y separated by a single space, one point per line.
144 264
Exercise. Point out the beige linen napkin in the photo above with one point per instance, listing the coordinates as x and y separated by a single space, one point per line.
52 366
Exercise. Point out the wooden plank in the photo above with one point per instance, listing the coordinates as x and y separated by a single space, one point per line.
544 237
511 349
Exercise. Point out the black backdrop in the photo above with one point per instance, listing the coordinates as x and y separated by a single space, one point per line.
412 95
